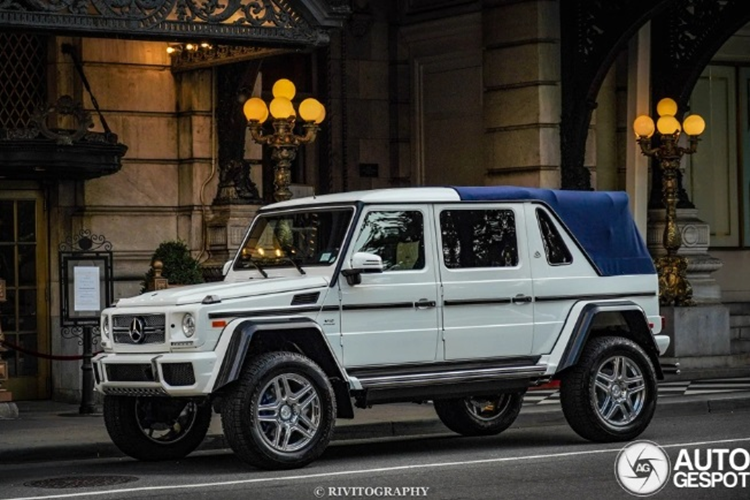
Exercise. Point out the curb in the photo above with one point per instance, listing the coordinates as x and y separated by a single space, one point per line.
529 417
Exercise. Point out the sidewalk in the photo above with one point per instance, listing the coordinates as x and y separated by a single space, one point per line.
48 431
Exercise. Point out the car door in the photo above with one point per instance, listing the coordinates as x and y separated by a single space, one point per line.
391 317
487 300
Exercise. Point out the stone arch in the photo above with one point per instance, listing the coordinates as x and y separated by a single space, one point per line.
684 40
593 32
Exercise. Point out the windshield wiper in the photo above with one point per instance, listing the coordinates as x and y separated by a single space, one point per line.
257 266
289 249
295 264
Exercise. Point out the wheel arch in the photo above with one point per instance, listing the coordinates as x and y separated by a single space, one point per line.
625 318
301 335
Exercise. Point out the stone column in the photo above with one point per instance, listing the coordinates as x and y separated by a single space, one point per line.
638 103
522 101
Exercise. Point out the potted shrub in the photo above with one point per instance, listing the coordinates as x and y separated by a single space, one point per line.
178 266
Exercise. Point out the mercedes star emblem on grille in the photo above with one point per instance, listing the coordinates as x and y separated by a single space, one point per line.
137 331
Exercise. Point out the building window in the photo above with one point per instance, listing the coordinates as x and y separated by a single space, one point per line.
554 246
23 78
397 236
479 238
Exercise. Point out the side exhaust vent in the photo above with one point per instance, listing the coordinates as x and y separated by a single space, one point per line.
304 299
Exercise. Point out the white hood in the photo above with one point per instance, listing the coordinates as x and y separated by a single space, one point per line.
194 294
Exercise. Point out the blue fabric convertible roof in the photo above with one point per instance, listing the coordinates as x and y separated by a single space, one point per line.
599 220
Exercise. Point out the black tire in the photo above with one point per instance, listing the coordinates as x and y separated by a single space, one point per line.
621 405
479 416
152 429
301 425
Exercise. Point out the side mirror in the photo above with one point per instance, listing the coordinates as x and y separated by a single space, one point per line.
362 262
225 269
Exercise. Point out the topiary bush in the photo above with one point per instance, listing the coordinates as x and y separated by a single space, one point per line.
180 268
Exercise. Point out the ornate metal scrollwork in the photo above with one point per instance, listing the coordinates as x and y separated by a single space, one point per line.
185 60
236 20
84 241
64 106
76 332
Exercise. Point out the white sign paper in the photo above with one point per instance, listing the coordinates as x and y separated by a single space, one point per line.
86 295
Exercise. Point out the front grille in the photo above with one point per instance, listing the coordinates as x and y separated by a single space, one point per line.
130 373
153 329
178 373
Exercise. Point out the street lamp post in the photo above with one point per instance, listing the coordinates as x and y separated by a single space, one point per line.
283 141
674 287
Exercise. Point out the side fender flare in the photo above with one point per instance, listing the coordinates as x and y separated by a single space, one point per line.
303 334
637 324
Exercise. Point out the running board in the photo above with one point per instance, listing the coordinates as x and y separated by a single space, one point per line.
452 377
447 385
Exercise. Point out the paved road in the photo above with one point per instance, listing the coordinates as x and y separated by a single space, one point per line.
548 462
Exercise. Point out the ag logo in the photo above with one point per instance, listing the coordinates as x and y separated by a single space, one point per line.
642 468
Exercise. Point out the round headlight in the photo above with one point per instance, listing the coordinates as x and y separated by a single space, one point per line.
188 325
105 326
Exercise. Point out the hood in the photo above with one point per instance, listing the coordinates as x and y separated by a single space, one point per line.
194 294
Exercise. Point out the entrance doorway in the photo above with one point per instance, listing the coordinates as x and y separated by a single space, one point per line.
24 316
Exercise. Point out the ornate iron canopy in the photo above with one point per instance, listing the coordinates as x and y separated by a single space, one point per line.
257 22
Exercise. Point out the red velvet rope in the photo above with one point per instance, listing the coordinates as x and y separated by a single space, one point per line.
54 357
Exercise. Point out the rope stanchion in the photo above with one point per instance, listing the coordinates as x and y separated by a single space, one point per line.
42 355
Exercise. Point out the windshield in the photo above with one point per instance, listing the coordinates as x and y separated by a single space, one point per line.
305 238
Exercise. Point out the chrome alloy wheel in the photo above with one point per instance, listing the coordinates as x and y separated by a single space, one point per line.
288 413
619 391
166 424
487 409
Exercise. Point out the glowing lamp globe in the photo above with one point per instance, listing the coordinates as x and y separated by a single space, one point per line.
310 109
321 116
666 107
255 110
284 88
668 125
694 125
644 126
282 108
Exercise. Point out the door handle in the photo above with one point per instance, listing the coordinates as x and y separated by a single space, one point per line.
424 304
521 299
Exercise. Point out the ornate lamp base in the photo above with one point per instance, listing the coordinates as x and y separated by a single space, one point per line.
674 288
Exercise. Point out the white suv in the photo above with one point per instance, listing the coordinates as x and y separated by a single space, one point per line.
462 296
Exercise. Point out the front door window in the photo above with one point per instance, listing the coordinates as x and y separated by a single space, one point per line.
396 236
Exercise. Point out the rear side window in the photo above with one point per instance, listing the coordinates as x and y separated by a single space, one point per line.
554 246
479 238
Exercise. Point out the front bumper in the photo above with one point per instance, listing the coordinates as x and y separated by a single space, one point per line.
168 374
